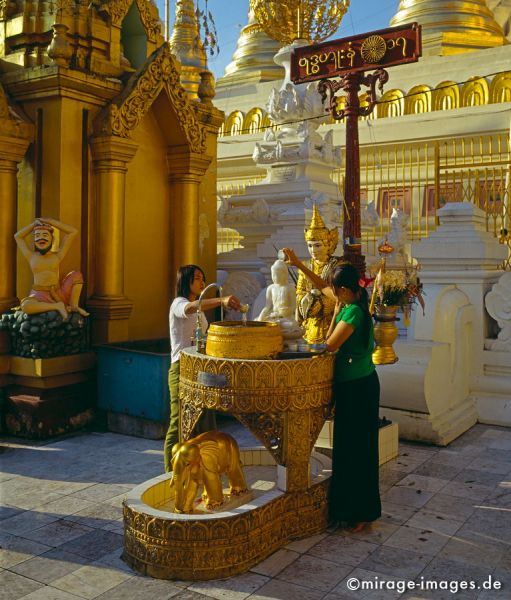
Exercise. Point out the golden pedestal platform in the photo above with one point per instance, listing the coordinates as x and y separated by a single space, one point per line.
284 402
220 544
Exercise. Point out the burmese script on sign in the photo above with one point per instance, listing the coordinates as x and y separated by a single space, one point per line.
383 48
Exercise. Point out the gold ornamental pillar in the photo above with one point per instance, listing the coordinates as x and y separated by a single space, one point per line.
186 170
12 151
109 305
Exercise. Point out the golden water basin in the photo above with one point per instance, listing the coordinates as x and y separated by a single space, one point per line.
251 340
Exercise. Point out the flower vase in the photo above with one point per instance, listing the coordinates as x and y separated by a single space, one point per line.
385 334
59 49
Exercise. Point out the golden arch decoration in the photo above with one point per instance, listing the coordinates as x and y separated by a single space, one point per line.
391 104
234 123
418 100
500 88
446 96
117 10
125 112
267 123
475 92
253 120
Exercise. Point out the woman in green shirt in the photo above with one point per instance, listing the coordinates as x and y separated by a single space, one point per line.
354 488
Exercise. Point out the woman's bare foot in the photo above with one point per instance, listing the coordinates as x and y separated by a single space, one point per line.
358 527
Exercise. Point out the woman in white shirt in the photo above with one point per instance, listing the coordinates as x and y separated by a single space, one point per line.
182 322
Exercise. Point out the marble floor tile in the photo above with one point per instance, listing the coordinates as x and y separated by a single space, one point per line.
101 492
29 500
49 566
343 549
189 595
500 497
433 521
235 588
7 512
433 468
450 507
17 549
422 483
407 496
494 523
26 521
406 464
473 491
467 548
283 590
396 562
90 581
58 532
64 506
488 465
95 544
14 586
396 514
480 477
142 588
275 563
97 516
391 476
50 593
316 573
306 544
422 541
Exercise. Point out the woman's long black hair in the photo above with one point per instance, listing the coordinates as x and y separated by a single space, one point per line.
347 276
184 279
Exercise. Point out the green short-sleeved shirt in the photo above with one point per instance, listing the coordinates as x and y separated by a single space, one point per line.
354 358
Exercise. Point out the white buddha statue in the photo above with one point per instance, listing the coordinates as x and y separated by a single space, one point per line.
281 304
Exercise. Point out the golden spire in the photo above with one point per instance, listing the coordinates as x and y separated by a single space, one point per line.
451 27
253 57
187 46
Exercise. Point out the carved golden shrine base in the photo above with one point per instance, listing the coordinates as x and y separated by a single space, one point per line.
284 403
193 547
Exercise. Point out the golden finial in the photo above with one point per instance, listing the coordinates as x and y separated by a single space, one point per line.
290 20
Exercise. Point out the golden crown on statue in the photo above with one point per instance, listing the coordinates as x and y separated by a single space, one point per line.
290 20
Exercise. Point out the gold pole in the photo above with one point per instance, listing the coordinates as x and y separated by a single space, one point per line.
12 151
111 308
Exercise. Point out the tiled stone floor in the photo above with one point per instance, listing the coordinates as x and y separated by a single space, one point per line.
447 518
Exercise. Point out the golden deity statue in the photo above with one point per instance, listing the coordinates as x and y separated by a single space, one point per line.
314 310
48 291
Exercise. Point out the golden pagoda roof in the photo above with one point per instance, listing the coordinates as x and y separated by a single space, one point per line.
253 58
451 27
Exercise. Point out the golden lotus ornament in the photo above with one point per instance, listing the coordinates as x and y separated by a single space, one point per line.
385 334
252 339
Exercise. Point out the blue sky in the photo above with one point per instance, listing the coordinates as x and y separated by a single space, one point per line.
231 15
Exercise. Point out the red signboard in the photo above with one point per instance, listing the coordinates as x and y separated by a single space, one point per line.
364 52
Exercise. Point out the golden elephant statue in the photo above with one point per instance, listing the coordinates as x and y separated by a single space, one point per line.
201 461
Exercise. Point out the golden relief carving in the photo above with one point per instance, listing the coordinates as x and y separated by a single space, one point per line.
391 104
446 96
117 9
475 92
500 88
418 100
125 112
373 49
